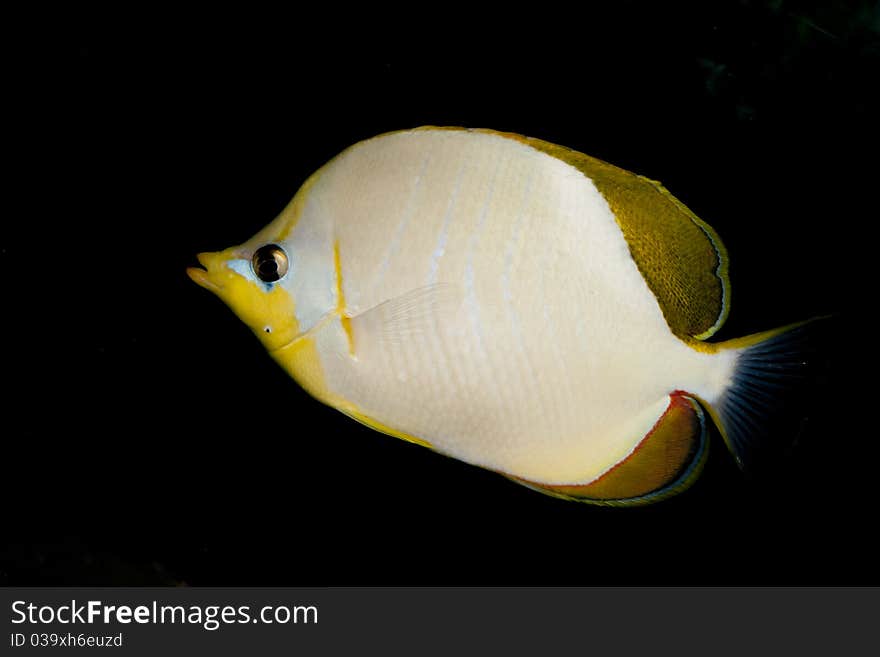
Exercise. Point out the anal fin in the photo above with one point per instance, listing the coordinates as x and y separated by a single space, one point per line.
665 462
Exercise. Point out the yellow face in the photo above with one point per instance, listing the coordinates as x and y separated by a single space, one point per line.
251 281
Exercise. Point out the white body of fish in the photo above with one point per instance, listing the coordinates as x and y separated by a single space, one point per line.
489 306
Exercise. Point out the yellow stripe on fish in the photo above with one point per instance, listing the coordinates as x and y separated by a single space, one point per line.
511 303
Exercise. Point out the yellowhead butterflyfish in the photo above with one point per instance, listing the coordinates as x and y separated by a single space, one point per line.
513 304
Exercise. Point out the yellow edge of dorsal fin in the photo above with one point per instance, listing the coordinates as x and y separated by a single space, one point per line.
695 300
690 281
722 271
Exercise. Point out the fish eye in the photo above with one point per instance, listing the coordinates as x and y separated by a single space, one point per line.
270 263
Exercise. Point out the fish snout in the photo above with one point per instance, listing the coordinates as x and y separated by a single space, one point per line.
213 274
206 276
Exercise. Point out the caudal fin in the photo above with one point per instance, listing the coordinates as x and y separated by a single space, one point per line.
765 408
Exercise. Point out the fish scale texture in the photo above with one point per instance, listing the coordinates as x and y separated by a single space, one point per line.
525 337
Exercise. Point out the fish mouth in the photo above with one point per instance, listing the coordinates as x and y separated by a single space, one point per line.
200 275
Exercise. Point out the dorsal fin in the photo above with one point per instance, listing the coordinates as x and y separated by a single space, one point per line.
680 256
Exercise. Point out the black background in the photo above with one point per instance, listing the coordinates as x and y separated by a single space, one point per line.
148 438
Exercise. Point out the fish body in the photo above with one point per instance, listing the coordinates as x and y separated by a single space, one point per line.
510 303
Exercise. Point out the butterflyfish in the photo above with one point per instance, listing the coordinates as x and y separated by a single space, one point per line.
513 304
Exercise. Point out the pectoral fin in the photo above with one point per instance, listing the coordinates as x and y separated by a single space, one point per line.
386 332
401 319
